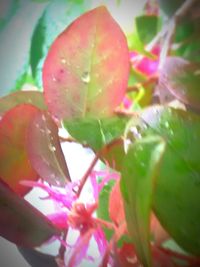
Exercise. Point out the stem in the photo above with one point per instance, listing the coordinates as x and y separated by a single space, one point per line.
86 175
105 224
150 80
62 248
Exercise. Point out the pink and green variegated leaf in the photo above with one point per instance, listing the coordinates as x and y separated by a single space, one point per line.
14 162
21 223
44 150
87 67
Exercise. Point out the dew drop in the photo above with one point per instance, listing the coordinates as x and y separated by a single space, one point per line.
63 61
54 79
43 117
52 148
85 77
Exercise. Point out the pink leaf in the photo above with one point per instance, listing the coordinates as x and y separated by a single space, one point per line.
87 67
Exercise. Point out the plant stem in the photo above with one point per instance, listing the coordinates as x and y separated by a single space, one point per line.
150 80
86 175
62 248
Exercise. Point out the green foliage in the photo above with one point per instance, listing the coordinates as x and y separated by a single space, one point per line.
14 52
139 172
96 132
147 27
81 61
179 173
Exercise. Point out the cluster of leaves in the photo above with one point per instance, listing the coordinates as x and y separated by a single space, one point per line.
137 107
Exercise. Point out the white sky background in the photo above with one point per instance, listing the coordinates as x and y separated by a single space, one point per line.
77 158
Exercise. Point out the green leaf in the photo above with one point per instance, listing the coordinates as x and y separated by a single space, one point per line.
45 151
187 39
15 45
96 132
139 172
56 17
21 97
169 7
86 75
177 192
147 27
20 222
182 79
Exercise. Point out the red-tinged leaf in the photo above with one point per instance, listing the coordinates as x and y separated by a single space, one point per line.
116 207
21 97
127 256
182 79
21 223
87 67
45 151
14 162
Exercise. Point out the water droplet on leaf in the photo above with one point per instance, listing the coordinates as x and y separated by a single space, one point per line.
85 77
52 148
63 61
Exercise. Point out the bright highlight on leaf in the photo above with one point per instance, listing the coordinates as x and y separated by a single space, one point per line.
87 67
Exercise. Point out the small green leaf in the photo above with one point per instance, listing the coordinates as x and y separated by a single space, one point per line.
15 45
96 132
139 173
147 27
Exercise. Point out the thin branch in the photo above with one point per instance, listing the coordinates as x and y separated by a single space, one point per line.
150 80
86 175
62 248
